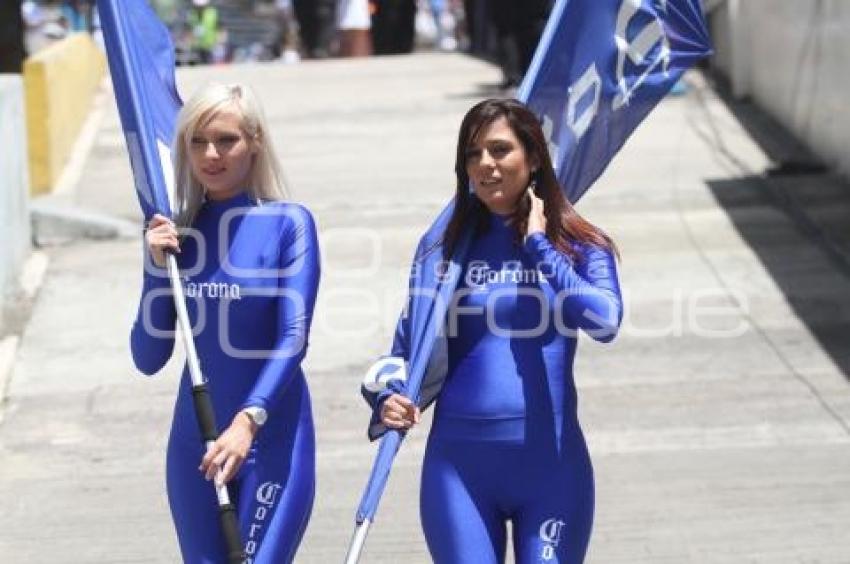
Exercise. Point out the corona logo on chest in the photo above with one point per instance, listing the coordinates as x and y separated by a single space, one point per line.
215 290
479 274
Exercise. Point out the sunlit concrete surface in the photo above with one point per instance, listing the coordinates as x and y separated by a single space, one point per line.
719 421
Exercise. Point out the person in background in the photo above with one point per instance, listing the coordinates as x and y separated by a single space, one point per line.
168 11
316 25
354 24
69 13
444 25
286 41
393 26
533 16
203 19
519 25
12 48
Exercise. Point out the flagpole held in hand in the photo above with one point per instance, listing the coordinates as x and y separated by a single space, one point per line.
423 334
387 450
205 415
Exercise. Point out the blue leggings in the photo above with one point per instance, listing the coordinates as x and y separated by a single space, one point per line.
471 488
273 492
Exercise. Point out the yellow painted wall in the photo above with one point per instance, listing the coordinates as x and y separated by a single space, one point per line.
60 83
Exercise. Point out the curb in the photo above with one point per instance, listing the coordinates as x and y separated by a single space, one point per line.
56 223
30 282
8 352
55 219
71 173
32 274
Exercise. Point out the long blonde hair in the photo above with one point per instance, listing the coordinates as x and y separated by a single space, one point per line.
265 180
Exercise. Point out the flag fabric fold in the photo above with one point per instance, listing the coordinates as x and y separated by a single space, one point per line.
599 69
141 63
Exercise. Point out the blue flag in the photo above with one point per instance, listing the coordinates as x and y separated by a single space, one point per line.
600 68
141 62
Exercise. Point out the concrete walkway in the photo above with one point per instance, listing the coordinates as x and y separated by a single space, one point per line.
719 421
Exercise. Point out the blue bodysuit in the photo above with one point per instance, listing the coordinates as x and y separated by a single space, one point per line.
506 442
250 274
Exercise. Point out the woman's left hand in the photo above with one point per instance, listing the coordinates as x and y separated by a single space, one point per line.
229 450
536 217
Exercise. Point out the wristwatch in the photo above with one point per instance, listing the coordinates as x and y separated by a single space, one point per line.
257 414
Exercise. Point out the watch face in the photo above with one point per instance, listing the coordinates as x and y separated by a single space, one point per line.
258 414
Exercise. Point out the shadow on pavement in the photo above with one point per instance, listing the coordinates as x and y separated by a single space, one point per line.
818 211
816 204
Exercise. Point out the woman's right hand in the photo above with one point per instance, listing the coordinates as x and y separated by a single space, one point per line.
161 235
398 412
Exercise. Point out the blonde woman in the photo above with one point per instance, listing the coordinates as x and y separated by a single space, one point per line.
250 266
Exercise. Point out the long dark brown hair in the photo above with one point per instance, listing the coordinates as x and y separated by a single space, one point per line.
564 226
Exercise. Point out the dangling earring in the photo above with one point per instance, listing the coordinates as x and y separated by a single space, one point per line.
533 183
